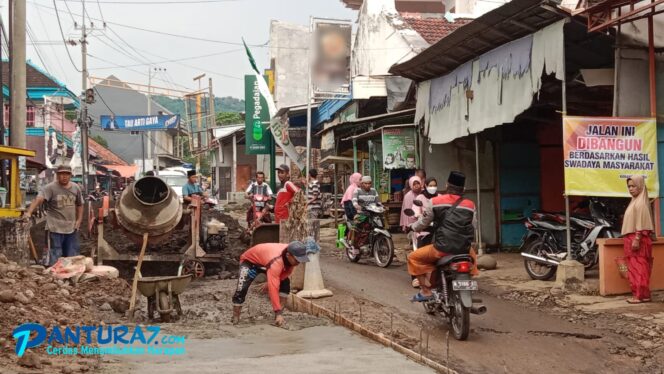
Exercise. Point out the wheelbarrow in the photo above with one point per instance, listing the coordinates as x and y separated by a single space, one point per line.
163 294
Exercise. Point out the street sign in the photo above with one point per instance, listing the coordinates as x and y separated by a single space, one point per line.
600 153
140 123
257 119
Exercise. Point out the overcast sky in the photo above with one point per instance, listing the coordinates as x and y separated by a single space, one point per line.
217 20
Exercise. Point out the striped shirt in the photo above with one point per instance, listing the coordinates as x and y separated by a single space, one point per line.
313 196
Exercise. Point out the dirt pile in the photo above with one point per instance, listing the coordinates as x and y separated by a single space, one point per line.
28 295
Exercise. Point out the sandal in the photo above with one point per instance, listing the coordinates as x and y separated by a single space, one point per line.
634 301
419 298
416 283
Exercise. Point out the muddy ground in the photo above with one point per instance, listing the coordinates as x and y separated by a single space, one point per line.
519 325
28 295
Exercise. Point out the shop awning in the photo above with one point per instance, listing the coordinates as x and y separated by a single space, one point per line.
336 160
225 131
377 132
366 120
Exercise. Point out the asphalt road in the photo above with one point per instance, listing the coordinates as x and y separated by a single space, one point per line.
509 338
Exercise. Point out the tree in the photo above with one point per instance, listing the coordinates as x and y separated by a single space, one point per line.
229 118
100 140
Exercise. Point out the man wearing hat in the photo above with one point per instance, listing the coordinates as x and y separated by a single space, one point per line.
285 194
64 213
191 187
277 261
454 232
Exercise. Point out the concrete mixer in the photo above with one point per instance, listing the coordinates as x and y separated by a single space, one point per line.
150 206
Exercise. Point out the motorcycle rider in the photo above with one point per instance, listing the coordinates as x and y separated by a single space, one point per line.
259 187
362 197
453 234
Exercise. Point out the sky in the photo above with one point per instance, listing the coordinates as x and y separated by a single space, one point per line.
126 51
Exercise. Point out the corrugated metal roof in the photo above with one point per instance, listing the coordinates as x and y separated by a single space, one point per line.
509 22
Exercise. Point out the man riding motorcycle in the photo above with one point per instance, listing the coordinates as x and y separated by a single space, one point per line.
257 188
362 197
454 220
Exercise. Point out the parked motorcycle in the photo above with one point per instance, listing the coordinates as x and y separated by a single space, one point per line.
545 242
452 291
378 241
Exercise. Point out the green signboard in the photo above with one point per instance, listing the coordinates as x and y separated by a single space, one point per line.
399 148
257 119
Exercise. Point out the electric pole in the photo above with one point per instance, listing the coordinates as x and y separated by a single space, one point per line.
83 119
17 113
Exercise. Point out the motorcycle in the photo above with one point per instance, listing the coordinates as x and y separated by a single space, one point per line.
544 245
452 291
378 241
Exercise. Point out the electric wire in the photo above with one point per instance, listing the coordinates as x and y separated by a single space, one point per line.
63 38
30 35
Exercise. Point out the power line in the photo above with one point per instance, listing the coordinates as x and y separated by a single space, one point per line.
31 37
101 14
103 101
70 13
172 60
134 70
63 38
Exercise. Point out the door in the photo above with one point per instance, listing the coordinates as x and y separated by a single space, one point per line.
519 189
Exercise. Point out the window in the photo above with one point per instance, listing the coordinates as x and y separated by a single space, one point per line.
29 116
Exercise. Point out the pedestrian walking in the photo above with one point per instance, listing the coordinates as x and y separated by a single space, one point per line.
415 184
314 206
64 213
637 242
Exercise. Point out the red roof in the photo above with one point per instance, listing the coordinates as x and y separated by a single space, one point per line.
433 29
105 155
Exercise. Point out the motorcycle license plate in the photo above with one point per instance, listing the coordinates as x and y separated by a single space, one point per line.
464 285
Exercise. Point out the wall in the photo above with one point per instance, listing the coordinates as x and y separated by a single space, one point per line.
288 49
227 158
439 159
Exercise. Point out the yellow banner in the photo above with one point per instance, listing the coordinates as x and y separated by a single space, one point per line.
600 153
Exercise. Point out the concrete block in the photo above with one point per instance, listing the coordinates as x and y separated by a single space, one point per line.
14 235
570 271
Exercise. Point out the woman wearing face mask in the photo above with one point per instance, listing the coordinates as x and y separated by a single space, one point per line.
424 238
636 230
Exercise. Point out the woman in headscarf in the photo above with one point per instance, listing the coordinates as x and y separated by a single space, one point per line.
636 229
346 200
424 238
415 184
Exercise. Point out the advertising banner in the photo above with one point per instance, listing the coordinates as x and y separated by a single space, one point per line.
140 123
257 119
331 65
399 148
600 153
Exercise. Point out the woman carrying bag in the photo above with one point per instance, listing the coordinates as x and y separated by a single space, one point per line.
637 231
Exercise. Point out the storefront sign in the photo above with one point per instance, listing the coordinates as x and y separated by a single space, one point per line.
600 153
331 69
257 118
140 123
399 148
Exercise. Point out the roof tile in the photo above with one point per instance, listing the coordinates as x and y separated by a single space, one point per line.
433 29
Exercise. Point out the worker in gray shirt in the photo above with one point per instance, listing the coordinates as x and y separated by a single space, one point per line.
64 213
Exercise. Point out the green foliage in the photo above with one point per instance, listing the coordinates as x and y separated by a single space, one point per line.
229 118
100 140
221 104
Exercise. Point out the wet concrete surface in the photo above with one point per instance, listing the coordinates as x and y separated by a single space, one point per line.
509 338
264 348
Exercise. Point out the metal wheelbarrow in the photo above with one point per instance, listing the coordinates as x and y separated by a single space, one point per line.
163 294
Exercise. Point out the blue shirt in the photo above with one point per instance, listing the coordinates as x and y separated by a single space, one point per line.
190 189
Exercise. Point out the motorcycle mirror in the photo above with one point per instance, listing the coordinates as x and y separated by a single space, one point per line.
409 212
417 202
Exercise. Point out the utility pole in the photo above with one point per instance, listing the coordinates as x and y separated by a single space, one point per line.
83 119
17 78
